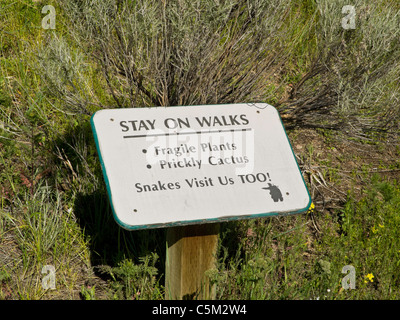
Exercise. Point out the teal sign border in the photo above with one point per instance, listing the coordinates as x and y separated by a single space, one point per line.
200 221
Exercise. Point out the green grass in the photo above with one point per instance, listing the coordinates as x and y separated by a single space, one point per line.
54 208
367 238
281 260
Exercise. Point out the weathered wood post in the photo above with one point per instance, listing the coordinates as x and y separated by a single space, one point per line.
191 251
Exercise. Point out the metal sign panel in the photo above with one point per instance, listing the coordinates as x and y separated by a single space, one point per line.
196 164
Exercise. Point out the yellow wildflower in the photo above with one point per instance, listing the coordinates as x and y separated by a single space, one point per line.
375 229
369 277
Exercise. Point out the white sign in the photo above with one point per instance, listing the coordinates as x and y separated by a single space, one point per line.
191 165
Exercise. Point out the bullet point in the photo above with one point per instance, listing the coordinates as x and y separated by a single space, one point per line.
148 166
144 150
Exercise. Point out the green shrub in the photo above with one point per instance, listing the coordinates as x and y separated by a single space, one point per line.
135 281
352 83
169 53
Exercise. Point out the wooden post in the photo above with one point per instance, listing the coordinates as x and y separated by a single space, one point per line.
191 250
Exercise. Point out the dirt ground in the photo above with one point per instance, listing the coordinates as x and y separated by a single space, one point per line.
333 164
